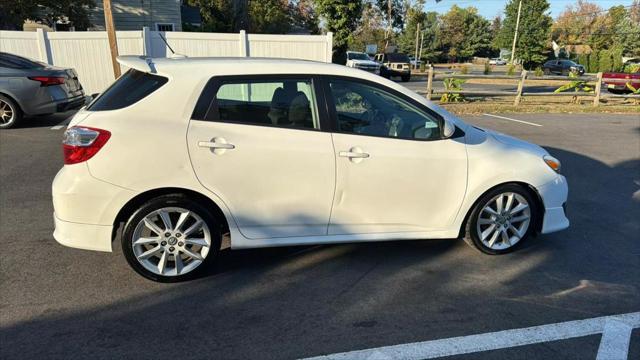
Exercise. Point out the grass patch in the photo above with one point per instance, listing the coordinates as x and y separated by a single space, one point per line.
543 105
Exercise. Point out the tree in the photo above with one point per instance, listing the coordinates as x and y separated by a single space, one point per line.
14 13
533 34
370 30
304 16
269 17
342 18
574 24
415 15
465 33
217 15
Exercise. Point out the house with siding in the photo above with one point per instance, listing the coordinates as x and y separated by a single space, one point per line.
160 15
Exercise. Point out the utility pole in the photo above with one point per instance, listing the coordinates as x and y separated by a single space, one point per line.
111 34
417 47
386 45
515 34
421 42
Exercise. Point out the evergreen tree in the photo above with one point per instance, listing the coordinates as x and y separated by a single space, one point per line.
533 34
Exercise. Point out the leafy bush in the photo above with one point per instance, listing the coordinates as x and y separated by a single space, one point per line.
616 57
487 68
511 69
539 72
576 86
423 66
465 69
632 68
451 84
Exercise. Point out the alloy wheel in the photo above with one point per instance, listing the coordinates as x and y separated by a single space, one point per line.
6 113
171 241
503 221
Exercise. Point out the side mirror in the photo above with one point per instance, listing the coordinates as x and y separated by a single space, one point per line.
448 129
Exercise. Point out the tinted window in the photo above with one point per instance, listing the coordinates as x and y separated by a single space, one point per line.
367 110
130 88
18 62
397 57
357 56
288 103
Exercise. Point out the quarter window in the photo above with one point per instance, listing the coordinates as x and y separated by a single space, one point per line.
130 88
367 110
286 103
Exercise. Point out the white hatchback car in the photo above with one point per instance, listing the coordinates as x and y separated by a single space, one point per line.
178 152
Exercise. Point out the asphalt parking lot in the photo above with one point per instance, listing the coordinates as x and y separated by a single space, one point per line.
298 302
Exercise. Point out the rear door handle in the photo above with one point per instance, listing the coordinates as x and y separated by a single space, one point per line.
355 154
217 145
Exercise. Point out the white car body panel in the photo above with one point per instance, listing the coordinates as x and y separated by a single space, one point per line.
304 193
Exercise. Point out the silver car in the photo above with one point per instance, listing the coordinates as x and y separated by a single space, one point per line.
28 87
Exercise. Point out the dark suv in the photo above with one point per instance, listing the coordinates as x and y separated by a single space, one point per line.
394 64
562 67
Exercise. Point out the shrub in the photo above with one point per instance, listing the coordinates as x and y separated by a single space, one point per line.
593 62
464 69
511 69
583 59
605 63
487 68
455 85
616 57
423 66
539 72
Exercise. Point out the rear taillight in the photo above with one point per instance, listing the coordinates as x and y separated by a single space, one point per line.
48 80
81 143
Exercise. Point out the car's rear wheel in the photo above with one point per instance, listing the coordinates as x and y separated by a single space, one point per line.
501 220
171 238
10 113
406 78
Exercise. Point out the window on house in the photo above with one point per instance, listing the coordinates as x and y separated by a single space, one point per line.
164 27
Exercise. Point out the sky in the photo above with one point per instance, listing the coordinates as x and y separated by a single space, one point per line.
491 8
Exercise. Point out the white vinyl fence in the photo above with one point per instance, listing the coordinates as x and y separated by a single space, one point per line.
88 52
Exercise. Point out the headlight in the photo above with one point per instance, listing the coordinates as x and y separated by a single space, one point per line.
552 162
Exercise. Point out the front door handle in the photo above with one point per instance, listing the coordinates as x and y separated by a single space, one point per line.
355 154
217 145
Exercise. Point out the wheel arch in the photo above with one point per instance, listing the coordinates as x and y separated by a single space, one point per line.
527 187
13 98
134 203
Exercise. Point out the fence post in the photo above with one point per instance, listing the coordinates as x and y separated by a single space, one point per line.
329 56
596 99
146 42
520 87
429 82
244 44
43 46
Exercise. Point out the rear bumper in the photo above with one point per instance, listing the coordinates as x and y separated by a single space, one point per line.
73 104
82 236
85 208
554 197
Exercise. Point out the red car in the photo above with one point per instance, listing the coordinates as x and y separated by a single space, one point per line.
617 82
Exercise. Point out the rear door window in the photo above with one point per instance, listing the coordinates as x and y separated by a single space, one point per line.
284 103
130 88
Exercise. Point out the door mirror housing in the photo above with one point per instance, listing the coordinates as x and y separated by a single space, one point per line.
448 128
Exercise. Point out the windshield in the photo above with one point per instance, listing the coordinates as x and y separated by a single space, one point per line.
570 63
397 57
358 56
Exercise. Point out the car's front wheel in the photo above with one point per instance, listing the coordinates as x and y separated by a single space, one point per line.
501 220
10 113
171 238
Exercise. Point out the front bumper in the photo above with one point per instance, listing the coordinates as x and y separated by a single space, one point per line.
554 197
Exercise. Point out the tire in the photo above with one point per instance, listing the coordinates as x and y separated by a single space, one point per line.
547 71
481 220
10 113
184 252
565 72
405 78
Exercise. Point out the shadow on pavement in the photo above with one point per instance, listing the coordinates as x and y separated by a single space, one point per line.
302 301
